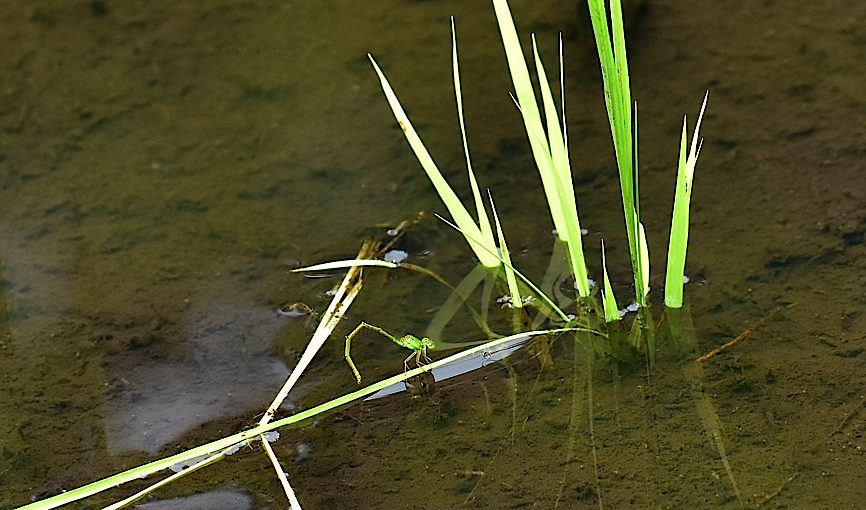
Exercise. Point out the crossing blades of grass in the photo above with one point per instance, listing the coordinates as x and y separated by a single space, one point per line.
549 147
251 434
481 232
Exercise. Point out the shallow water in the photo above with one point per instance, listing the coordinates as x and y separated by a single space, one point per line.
162 167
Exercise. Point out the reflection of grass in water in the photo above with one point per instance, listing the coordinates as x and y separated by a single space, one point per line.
652 432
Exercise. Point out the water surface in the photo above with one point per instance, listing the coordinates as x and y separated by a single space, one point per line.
163 166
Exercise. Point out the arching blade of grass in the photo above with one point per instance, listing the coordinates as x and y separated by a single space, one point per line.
680 219
549 151
617 98
455 207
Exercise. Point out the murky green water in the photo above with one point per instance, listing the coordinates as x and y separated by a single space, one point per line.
163 166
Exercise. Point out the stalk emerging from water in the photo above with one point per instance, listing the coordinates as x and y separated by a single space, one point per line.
617 98
680 219
549 146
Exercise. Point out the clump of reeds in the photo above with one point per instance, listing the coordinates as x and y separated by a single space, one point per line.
548 140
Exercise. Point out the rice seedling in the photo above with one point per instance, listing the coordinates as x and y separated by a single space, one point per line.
549 146
679 239
548 141
622 116
617 97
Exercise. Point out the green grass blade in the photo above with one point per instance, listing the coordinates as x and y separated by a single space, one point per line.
555 139
483 220
530 112
614 81
643 250
549 151
620 55
572 239
510 278
643 269
562 97
617 95
678 243
455 207
608 300
565 199
598 16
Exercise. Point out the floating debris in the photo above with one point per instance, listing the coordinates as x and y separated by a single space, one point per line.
395 256
295 310
629 309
